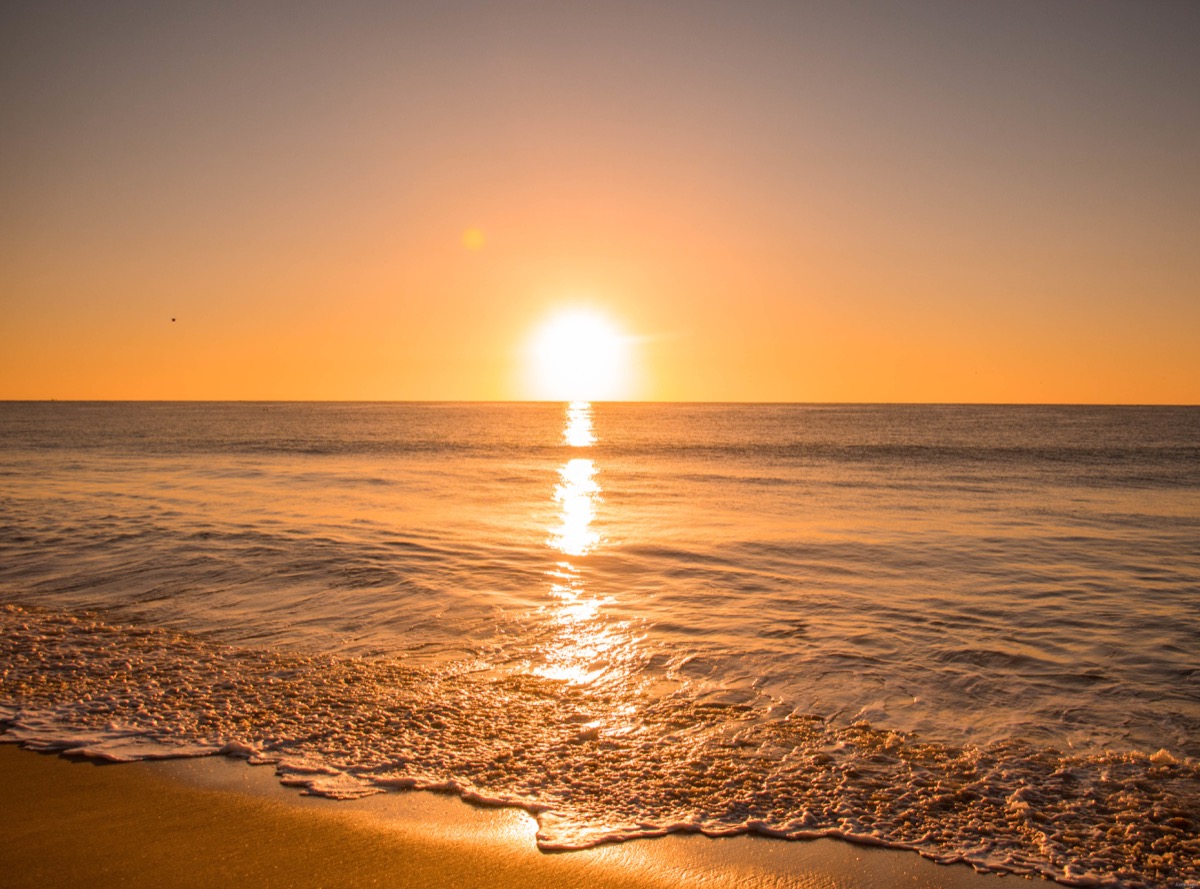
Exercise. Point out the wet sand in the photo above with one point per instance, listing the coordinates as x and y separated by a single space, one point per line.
219 822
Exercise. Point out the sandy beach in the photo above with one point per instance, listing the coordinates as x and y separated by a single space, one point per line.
219 822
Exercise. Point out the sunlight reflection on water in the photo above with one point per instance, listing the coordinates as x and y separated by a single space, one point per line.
578 431
577 495
584 648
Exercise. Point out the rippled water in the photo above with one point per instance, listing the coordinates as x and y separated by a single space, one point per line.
972 631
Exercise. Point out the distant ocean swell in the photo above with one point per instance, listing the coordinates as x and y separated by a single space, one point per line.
1160 463
595 765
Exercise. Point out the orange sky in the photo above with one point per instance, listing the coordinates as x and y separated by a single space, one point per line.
777 201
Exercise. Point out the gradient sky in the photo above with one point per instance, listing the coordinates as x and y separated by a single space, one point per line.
927 201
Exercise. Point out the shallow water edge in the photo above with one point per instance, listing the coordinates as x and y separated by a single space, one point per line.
349 727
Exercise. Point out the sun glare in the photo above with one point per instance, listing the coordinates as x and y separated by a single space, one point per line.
579 355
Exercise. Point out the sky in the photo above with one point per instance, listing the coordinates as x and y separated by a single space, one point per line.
770 201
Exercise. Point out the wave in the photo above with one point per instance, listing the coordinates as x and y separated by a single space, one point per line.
596 764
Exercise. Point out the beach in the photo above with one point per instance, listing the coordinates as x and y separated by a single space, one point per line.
964 632
218 822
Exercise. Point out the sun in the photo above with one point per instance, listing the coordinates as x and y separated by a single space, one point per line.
579 355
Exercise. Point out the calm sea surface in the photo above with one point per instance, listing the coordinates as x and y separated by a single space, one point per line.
970 631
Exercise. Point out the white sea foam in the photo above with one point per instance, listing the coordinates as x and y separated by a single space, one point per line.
345 727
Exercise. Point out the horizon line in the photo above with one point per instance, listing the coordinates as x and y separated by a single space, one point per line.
544 401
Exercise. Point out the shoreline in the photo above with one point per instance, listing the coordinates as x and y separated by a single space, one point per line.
217 821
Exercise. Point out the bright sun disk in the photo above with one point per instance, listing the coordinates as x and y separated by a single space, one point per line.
579 355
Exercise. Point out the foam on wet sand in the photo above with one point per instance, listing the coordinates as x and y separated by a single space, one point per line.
216 821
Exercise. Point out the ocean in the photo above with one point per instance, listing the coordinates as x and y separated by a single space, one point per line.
969 631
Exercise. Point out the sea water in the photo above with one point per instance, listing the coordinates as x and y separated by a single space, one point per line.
969 631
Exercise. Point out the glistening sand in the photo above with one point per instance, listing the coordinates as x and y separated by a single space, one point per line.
218 822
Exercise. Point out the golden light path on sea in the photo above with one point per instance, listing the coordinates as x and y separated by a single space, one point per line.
584 648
